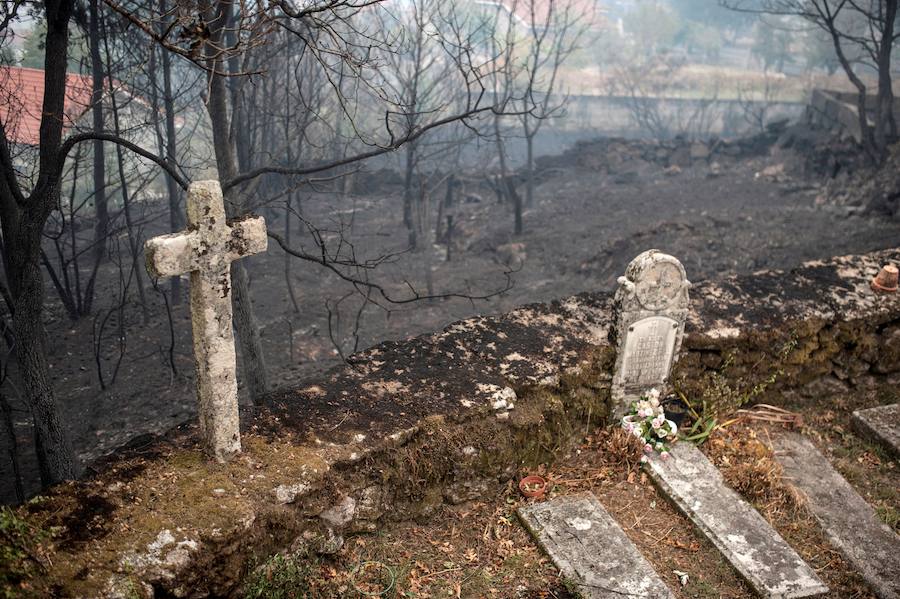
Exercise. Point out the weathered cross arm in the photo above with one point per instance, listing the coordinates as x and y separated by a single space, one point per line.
172 255
248 237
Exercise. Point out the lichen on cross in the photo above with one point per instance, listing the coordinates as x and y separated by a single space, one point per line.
206 249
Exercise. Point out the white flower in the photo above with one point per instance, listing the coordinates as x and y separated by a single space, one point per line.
665 455
653 394
658 421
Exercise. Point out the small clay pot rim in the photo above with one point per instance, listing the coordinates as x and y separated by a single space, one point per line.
879 287
533 480
886 279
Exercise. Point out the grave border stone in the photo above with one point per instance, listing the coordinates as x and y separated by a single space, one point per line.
590 548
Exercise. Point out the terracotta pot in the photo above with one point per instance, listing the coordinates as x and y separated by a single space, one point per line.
886 280
533 486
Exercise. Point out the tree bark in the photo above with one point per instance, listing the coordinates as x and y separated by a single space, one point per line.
517 206
868 138
22 227
252 358
529 171
101 202
506 181
134 242
12 447
885 125
56 461
409 194
101 209
176 218
289 151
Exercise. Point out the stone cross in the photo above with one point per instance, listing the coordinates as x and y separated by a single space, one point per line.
206 249
651 305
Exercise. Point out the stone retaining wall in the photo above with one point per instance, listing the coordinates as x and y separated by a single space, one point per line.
445 417
834 112
838 112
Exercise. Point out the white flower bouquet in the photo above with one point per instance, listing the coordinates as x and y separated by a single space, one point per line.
648 422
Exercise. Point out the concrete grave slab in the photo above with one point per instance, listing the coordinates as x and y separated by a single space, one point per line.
849 522
590 549
881 424
753 547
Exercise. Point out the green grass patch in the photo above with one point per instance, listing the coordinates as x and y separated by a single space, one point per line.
281 577
21 555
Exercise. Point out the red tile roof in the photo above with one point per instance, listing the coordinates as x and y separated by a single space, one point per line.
22 96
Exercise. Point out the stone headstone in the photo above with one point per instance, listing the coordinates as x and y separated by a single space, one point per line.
651 305
206 249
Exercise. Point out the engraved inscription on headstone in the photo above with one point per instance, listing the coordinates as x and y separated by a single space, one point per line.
648 351
651 307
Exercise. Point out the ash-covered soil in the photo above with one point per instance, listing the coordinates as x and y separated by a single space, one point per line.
720 208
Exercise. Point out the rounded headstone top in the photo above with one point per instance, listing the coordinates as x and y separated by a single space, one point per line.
656 279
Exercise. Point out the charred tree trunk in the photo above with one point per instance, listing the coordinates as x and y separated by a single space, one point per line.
409 194
134 242
868 137
12 447
101 208
176 218
23 222
517 207
287 257
288 260
506 183
423 220
55 456
252 358
529 171
885 124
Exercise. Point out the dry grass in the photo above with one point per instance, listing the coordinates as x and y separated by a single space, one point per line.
748 465
478 549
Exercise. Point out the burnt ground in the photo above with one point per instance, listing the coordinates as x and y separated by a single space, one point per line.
585 225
